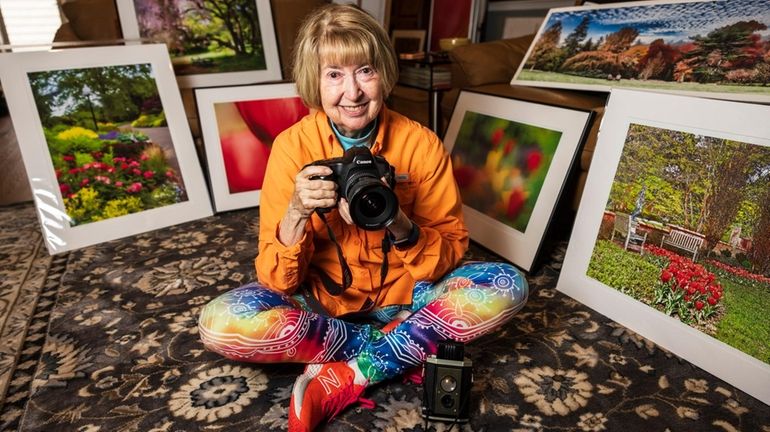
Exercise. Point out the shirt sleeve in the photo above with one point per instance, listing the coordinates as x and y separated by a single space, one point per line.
438 212
280 267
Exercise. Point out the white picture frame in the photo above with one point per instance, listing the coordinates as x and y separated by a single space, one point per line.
689 116
134 32
654 47
517 233
61 231
236 152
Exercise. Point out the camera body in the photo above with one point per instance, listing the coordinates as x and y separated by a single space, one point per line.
447 382
358 174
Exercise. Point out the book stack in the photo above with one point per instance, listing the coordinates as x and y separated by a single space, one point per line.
418 75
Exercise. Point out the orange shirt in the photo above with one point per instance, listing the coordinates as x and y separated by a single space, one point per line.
426 192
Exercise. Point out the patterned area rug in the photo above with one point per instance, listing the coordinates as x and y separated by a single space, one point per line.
118 350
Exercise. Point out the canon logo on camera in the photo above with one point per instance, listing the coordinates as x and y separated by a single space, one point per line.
362 162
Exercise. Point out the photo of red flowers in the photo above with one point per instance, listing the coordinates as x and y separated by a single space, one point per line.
239 125
672 235
686 231
500 166
510 160
108 141
105 141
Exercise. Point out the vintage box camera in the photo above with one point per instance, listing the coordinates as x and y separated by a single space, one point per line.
358 173
448 377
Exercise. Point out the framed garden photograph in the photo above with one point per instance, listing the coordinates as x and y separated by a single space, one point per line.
672 236
709 48
105 142
211 43
511 159
239 125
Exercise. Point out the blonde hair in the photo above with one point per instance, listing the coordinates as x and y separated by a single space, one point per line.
340 34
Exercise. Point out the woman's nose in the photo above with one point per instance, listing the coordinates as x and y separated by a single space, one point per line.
352 89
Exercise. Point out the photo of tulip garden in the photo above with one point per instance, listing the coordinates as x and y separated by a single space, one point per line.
698 208
500 166
107 137
246 133
205 36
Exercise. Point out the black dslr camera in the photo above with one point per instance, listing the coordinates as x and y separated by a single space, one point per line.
448 377
373 205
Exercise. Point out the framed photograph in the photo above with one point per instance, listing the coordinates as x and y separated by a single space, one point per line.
408 41
105 142
511 159
710 48
239 125
672 236
211 43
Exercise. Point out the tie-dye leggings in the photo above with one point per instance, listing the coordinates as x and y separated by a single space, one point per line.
255 324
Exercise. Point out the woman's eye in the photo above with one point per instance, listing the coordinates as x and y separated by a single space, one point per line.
334 75
366 70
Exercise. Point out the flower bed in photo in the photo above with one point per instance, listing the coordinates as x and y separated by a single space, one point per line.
102 176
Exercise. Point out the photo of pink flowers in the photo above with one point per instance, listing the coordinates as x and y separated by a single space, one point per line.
500 166
108 140
686 231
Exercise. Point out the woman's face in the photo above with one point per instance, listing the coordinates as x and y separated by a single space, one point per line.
351 95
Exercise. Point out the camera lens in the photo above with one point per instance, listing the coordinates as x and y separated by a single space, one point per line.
372 204
448 384
447 401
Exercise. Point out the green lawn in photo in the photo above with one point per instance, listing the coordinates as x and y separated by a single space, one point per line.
556 77
225 60
742 322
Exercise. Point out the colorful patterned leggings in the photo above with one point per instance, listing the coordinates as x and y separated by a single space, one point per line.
255 324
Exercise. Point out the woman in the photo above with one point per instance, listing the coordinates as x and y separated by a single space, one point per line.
302 310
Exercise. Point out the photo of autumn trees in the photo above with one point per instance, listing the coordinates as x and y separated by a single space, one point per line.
205 36
699 208
708 46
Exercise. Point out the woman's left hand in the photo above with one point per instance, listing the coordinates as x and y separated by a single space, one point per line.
344 208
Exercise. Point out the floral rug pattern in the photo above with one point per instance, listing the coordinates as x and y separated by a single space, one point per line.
120 352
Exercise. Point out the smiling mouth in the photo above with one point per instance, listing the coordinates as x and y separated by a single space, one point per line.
355 109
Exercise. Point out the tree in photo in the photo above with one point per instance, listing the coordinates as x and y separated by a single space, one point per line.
547 55
732 47
572 44
231 24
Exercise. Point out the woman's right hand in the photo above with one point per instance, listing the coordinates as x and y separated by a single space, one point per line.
311 193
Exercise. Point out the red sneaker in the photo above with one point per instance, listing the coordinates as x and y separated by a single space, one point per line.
320 393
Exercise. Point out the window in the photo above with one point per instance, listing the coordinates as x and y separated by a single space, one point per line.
29 22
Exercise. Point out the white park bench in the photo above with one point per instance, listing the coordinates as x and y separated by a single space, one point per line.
687 241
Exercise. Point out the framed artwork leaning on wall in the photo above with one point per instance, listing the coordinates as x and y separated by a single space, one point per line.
511 159
105 142
707 48
672 236
239 125
210 43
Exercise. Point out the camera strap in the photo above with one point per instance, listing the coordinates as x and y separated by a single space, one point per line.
347 276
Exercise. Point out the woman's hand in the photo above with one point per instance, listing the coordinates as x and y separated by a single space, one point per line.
309 194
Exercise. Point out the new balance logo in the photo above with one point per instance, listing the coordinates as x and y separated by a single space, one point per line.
331 380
